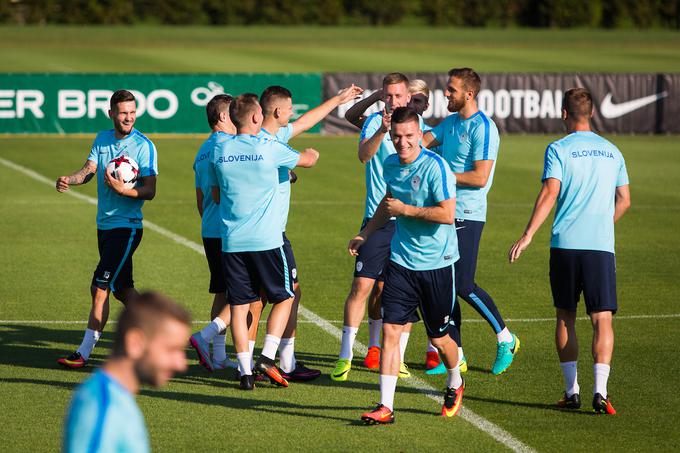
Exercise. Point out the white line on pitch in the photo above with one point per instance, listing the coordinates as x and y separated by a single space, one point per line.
481 423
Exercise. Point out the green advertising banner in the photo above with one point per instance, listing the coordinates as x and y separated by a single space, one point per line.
166 103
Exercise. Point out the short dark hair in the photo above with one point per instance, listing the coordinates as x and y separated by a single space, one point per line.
218 104
395 77
578 102
272 94
146 312
241 107
404 115
119 96
471 80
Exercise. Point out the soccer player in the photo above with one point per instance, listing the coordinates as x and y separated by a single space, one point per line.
586 175
217 111
277 108
244 176
421 194
375 144
119 215
148 348
468 141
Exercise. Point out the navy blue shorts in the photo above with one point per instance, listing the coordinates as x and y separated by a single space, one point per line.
116 247
288 250
213 253
374 254
432 292
469 234
592 272
247 274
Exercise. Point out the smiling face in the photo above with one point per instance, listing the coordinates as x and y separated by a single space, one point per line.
456 94
406 138
123 116
396 95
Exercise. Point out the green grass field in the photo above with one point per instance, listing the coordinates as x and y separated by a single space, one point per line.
316 49
48 244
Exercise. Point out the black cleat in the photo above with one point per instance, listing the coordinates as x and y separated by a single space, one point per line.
301 373
247 382
571 402
602 405
265 365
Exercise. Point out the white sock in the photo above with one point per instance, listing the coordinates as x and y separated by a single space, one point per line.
219 350
431 348
453 379
570 373
504 336
89 340
460 354
244 363
388 385
403 342
374 329
251 348
348 336
271 344
287 354
601 372
213 329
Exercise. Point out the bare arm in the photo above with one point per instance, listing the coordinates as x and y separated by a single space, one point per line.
443 213
312 117
145 191
380 218
476 177
308 158
355 114
622 202
199 201
82 176
544 204
429 141
369 146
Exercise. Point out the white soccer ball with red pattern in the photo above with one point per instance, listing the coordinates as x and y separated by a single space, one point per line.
124 168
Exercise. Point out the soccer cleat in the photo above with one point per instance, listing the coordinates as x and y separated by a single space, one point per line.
462 365
202 349
441 368
341 370
453 400
224 364
265 365
75 360
301 373
247 382
504 355
403 371
432 360
602 405
372 360
381 415
570 402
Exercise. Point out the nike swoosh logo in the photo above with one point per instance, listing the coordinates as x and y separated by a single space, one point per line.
459 228
610 110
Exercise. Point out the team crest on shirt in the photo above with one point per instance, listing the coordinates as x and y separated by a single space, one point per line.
462 137
415 182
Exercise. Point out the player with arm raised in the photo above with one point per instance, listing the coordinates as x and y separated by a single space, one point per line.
244 176
217 111
119 215
421 194
469 141
586 175
375 144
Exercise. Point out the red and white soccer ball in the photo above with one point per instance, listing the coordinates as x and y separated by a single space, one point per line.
125 169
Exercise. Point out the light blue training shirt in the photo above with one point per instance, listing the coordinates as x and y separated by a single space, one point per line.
590 169
210 221
283 135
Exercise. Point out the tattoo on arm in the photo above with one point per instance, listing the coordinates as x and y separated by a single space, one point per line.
83 175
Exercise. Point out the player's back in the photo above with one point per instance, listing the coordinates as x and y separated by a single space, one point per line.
104 417
210 226
589 168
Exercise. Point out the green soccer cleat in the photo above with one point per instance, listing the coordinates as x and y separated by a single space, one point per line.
403 371
505 354
441 368
342 367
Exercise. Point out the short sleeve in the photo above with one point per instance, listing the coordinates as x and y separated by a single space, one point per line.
552 166
622 178
285 133
94 152
197 180
211 172
485 140
439 131
371 126
149 161
285 156
443 182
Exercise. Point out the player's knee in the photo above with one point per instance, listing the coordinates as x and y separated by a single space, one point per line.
442 342
361 288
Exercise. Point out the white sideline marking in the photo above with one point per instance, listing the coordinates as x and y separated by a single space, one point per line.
481 423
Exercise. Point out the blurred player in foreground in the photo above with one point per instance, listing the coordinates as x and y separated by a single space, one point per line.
586 175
